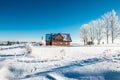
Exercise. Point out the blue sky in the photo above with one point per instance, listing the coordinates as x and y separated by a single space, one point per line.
28 20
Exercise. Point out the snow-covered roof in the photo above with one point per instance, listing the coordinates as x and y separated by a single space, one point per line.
51 37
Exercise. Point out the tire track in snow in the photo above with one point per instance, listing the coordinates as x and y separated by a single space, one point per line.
72 64
79 63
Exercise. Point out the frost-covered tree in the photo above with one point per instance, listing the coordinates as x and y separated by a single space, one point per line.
84 33
99 30
91 31
106 21
107 26
114 25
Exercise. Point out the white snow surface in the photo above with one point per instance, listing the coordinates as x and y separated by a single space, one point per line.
61 63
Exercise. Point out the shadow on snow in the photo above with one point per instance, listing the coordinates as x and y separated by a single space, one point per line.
72 64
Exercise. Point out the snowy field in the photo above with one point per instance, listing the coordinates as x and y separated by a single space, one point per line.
60 63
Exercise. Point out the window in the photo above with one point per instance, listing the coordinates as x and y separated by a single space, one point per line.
60 43
66 43
55 43
59 39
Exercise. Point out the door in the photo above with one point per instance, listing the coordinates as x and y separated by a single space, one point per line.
50 43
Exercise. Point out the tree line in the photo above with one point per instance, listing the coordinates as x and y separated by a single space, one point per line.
107 26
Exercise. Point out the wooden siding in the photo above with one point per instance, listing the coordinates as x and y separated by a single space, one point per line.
58 38
58 43
47 42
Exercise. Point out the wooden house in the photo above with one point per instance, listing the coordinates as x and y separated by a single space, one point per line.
58 39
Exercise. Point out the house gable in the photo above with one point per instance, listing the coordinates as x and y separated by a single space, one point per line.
59 37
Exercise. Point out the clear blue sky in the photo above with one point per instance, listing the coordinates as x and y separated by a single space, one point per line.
30 19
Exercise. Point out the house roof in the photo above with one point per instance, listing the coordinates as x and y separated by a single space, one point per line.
51 37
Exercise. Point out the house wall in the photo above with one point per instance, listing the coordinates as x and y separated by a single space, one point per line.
58 43
61 43
47 42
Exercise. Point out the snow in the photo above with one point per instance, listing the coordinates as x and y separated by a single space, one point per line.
61 63
5 73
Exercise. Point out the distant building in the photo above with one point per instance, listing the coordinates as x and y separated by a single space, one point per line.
58 39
